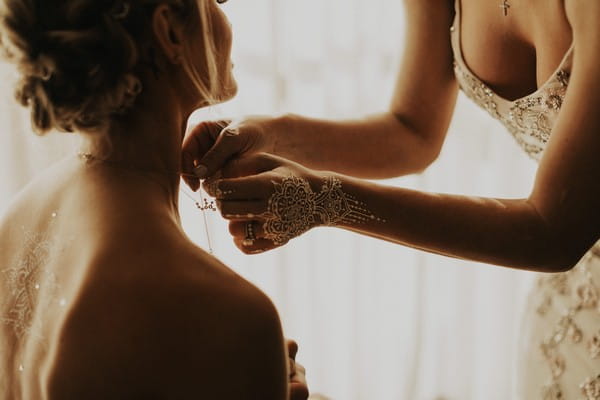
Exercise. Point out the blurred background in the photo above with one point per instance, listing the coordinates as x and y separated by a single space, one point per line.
373 320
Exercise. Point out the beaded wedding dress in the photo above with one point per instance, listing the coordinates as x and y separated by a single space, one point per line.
560 335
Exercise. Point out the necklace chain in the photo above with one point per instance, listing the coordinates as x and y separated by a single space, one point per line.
203 205
89 157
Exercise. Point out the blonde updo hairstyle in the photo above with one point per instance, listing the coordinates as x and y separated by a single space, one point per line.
77 59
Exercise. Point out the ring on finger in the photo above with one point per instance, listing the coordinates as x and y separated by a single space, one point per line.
250 235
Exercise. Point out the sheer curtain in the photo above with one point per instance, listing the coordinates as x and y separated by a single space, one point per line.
374 320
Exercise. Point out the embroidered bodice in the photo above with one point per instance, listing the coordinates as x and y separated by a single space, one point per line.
529 119
560 357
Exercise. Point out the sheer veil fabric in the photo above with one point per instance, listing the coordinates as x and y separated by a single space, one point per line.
373 320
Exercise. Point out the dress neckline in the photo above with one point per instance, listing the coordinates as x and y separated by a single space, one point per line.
458 58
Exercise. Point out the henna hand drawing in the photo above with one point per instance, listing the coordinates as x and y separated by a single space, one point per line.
294 209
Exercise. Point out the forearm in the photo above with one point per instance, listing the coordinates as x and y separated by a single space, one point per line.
289 199
503 232
376 147
407 138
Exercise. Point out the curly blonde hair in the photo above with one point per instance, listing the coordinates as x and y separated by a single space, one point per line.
77 59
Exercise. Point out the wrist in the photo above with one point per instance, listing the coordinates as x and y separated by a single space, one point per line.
281 138
334 205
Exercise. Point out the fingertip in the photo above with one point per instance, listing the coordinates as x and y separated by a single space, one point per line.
230 131
299 391
201 171
292 348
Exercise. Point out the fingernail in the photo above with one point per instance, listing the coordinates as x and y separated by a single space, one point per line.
231 132
201 171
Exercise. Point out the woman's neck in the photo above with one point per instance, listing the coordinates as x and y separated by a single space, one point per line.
147 144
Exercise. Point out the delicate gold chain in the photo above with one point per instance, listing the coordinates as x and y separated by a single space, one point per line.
88 157
203 206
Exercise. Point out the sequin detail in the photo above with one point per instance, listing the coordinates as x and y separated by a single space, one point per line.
578 289
565 307
529 119
590 388
594 346
552 392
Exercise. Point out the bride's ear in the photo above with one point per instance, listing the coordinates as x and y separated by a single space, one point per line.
168 33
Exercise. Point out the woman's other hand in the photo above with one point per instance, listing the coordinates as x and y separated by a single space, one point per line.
211 144
298 386
269 200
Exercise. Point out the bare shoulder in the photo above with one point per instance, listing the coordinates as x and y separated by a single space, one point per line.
430 16
178 324
425 84
437 11
583 15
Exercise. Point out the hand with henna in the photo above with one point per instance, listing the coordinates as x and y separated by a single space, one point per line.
298 386
270 200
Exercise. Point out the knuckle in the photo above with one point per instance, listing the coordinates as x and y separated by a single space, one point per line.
293 347
231 133
264 157
234 228
198 129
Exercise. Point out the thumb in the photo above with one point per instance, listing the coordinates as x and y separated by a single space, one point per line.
228 144
292 348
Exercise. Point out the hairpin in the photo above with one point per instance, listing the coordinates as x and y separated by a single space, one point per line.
121 10
46 73
44 68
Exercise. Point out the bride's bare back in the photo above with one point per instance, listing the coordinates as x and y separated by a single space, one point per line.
103 296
